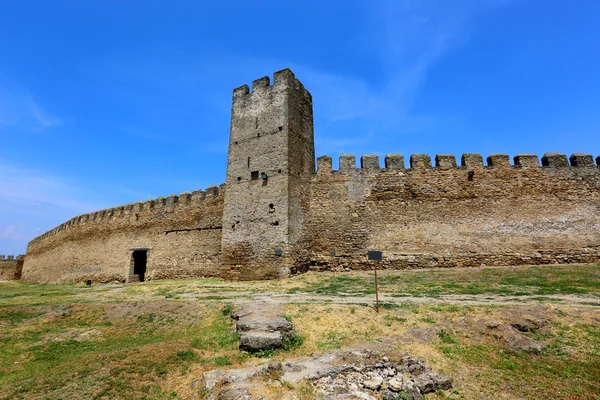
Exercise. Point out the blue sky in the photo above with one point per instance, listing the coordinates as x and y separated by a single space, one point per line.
105 103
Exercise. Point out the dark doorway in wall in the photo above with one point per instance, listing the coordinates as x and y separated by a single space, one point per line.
139 263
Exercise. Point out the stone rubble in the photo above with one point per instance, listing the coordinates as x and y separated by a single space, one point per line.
361 374
410 379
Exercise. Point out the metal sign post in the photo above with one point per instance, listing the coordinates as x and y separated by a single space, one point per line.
376 257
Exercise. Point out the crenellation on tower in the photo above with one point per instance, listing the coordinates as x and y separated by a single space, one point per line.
347 162
394 161
324 165
420 161
498 160
555 160
582 160
471 160
369 162
527 160
445 161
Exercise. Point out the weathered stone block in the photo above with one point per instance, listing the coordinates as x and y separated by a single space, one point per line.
527 160
555 160
172 200
261 83
254 341
581 160
498 160
394 161
420 161
263 323
185 197
212 192
445 161
198 195
347 162
324 165
369 161
471 160
240 92
285 76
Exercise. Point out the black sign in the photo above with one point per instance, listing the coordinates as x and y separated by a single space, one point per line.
278 252
375 255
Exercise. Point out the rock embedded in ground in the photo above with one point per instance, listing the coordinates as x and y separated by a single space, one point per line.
410 391
274 367
395 384
254 341
262 327
263 323
374 383
234 394
239 313
429 382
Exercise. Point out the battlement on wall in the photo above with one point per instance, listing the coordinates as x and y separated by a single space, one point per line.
11 257
281 79
394 162
153 206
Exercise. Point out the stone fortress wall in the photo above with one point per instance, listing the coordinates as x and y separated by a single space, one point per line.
11 267
293 218
181 234
428 216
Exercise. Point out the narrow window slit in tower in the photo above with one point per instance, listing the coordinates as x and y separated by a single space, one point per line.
256 121
248 162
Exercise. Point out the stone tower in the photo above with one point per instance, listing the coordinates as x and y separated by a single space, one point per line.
271 155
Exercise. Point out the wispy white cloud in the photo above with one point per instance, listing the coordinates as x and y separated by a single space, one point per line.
13 232
32 202
19 108
31 191
410 37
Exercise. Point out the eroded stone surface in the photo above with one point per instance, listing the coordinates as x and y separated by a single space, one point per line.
260 340
349 374
262 327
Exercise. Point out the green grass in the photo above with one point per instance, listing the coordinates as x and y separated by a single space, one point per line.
553 373
518 281
139 354
447 337
16 316
333 340
126 362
